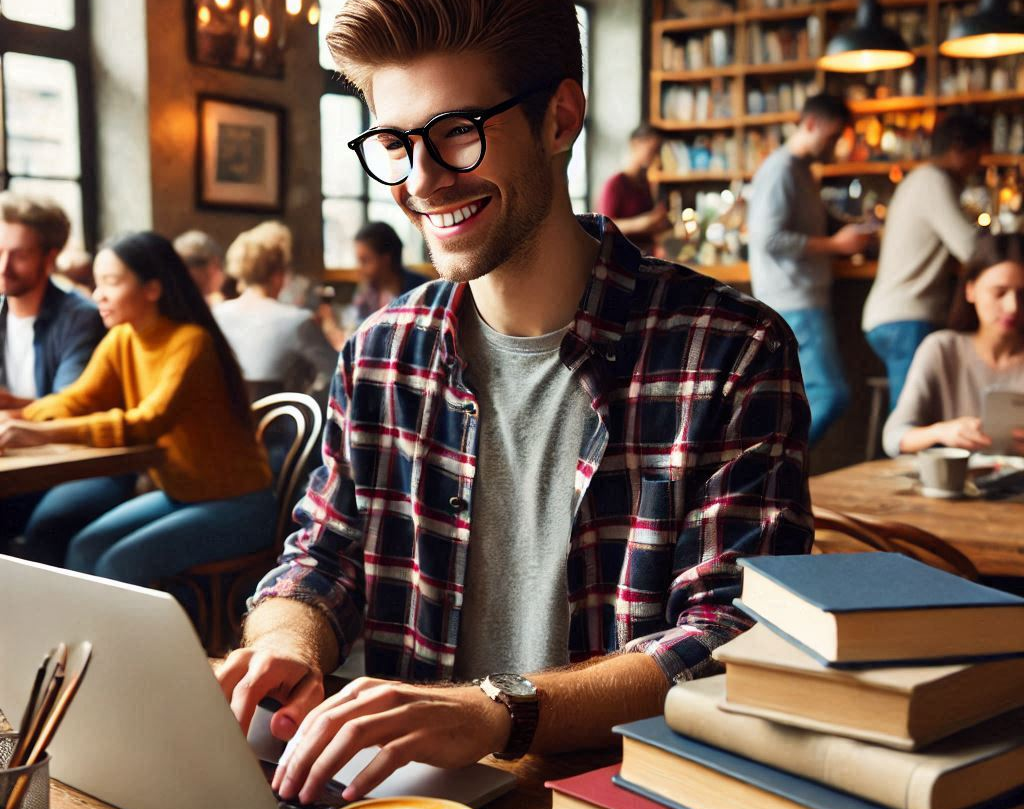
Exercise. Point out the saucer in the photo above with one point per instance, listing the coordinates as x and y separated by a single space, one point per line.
941 494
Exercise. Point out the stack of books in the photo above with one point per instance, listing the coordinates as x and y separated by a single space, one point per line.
869 681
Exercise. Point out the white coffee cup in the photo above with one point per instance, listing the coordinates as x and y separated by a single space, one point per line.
943 471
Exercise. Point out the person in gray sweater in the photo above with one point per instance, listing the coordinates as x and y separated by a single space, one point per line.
790 252
941 402
926 237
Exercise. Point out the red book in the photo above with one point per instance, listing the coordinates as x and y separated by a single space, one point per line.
595 788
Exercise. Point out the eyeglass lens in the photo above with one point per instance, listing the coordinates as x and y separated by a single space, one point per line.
456 141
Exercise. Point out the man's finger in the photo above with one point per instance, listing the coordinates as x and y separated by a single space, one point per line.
303 698
391 756
260 680
231 671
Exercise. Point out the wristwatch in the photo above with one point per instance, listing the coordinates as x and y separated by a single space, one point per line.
522 700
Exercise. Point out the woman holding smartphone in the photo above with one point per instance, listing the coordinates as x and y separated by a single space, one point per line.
983 348
164 374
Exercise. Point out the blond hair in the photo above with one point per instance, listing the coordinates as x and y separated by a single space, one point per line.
533 44
41 214
257 254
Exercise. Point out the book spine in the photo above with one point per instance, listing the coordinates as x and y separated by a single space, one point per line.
865 770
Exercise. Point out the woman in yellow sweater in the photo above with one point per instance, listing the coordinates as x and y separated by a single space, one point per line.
164 374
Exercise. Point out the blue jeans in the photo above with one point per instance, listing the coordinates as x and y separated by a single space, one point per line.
152 536
827 391
895 344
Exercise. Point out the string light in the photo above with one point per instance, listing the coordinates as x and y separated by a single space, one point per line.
244 17
204 15
314 13
984 219
261 26
293 7
223 5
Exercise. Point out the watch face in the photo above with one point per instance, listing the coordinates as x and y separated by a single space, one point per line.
515 685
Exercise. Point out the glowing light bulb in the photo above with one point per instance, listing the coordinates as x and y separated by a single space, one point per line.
223 5
244 17
261 26
314 13
984 220
204 15
293 7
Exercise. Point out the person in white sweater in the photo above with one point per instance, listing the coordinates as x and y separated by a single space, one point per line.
984 347
927 237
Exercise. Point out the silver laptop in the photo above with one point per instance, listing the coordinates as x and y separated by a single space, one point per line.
150 728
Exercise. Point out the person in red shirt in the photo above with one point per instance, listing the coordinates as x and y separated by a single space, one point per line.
626 197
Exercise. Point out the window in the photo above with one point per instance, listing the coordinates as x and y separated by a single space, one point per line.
46 137
350 199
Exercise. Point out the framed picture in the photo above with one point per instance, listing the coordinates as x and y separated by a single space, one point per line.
240 163
221 34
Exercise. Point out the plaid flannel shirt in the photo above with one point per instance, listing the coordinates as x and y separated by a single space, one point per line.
698 458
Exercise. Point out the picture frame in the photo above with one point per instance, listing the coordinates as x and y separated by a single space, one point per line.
240 157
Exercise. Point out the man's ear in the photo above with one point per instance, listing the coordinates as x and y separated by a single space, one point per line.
566 112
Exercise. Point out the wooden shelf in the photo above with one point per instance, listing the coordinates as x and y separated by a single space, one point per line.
694 126
1003 160
694 24
696 177
777 14
770 118
739 273
801 66
873 106
983 97
876 167
704 74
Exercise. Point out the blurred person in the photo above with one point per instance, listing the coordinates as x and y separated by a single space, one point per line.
626 197
47 335
382 277
941 402
204 258
927 237
278 346
164 374
791 251
73 271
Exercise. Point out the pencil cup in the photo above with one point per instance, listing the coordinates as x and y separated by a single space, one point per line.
37 796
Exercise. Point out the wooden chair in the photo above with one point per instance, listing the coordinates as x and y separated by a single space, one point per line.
225 579
845 532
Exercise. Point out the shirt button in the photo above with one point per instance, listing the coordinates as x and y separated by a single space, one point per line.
457 504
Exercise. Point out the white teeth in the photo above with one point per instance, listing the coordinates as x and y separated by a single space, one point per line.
447 220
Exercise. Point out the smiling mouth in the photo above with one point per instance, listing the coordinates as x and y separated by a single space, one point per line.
450 219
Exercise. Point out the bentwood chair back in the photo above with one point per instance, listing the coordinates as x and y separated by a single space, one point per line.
289 426
844 532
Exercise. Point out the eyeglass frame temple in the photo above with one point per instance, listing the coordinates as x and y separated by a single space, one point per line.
478 118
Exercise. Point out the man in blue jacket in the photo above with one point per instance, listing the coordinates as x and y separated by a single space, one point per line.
46 335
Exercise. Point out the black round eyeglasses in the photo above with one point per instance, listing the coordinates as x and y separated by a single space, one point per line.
454 139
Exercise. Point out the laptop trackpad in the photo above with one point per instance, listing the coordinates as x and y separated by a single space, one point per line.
474 785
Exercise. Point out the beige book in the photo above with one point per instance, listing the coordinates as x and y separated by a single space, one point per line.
905 707
972 766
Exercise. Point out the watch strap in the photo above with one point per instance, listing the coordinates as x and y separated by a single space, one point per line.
525 715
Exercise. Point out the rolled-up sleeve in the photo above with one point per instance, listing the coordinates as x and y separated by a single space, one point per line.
322 562
754 500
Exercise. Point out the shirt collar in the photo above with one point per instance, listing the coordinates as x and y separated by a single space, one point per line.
604 307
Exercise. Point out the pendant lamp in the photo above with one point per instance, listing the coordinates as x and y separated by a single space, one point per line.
991 31
867 46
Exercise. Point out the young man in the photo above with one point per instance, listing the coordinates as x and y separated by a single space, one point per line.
46 335
790 252
626 197
547 461
926 236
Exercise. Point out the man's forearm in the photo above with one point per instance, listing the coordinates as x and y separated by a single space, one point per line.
294 628
580 704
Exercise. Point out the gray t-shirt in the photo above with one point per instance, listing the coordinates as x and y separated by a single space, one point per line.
534 414
275 342
924 230
946 380
785 209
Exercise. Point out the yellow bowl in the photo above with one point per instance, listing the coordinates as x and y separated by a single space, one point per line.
406 802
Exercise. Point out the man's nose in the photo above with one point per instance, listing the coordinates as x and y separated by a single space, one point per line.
426 175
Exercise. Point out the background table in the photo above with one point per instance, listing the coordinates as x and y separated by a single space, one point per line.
33 469
989 532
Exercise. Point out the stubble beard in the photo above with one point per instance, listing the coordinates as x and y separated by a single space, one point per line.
526 204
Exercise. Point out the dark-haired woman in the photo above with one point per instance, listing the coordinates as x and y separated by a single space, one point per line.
164 374
984 347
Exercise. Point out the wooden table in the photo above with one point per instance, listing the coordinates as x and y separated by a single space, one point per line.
32 469
530 793
989 532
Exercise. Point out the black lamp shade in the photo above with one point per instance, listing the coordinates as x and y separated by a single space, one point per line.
992 31
868 46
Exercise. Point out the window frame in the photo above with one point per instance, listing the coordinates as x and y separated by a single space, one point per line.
74 46
333 84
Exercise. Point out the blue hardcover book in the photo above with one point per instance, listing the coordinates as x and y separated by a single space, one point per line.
877 608
682 773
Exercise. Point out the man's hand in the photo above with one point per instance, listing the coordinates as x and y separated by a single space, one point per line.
17 433
962 433
9 401
850 239
444 726
248 675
